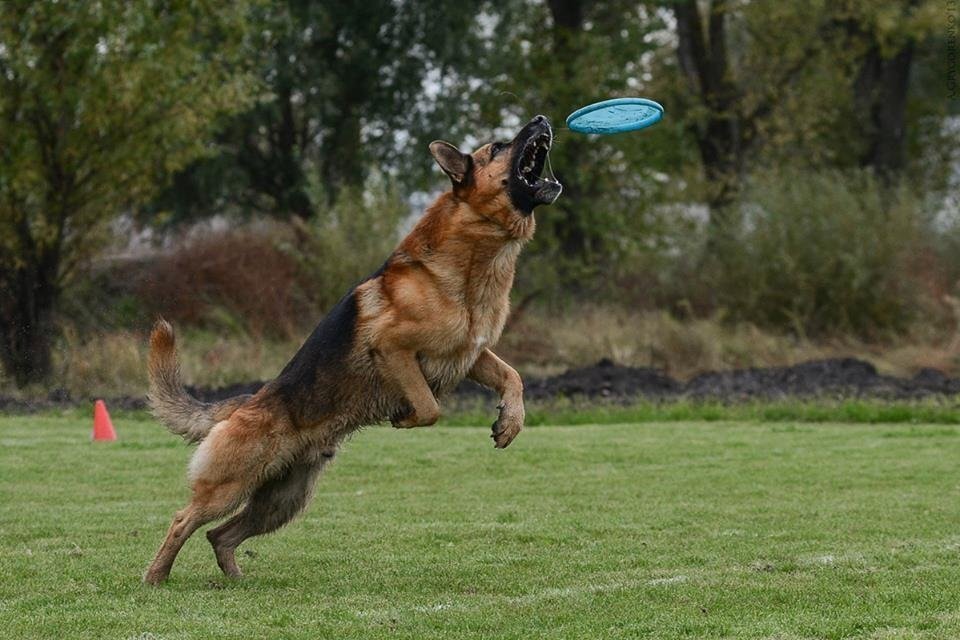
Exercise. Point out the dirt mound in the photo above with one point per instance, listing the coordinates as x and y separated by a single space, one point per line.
843 377
604 380
837 377
608 381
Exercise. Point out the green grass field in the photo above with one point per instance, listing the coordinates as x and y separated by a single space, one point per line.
647 530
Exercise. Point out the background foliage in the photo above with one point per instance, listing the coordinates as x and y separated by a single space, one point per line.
99 102
802 180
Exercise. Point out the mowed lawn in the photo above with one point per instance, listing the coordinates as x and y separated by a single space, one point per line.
699 530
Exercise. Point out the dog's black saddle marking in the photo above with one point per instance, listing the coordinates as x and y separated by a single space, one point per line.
309 381
327 346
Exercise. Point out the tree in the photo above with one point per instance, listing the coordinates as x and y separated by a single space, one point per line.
734 94
841 70
344 78
883 38
99 103
552 58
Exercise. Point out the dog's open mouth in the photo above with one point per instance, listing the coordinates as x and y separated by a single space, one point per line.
531 187
533 158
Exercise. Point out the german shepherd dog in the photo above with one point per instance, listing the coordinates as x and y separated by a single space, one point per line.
404 336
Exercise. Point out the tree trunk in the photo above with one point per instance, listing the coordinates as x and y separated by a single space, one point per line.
567 15
273 163
568 220
881 99
342 159
292 196
702 54
27 299
719 151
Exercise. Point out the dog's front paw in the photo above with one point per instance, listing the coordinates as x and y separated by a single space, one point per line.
508 425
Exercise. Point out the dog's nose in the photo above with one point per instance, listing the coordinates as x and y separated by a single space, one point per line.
540 119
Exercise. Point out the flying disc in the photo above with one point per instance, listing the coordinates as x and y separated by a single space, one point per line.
615 116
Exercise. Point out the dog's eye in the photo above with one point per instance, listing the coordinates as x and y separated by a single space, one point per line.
496 148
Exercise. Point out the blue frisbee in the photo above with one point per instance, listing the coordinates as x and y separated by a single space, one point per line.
615 116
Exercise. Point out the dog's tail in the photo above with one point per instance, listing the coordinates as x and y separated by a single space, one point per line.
169 401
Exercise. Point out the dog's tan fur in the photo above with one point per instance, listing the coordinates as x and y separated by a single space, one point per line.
401 338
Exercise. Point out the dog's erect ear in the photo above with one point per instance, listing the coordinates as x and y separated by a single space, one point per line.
454 164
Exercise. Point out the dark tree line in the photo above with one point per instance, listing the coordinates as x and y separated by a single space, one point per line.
338 78
277 109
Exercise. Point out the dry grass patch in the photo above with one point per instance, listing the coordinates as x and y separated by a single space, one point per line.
544 343
537 343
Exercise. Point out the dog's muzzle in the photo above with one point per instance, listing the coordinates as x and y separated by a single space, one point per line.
530 187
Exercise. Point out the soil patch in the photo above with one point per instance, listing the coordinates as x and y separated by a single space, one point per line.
834 378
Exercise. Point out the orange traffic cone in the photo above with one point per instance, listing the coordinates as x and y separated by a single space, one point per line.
102 426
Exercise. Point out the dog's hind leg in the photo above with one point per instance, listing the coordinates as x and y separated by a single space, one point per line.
209 503
272 505
225 471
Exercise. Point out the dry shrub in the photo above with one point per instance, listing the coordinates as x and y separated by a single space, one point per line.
546 343
214 360
646 338
538 343
107 365
820 254
115 364
238 279
346 242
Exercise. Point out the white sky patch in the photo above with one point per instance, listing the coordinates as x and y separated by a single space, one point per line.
510 122
418 201
666 37
948 215
369 131
401 138
487 24
432 83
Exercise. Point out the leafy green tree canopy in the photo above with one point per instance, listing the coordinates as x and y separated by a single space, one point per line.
99 103
345 89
